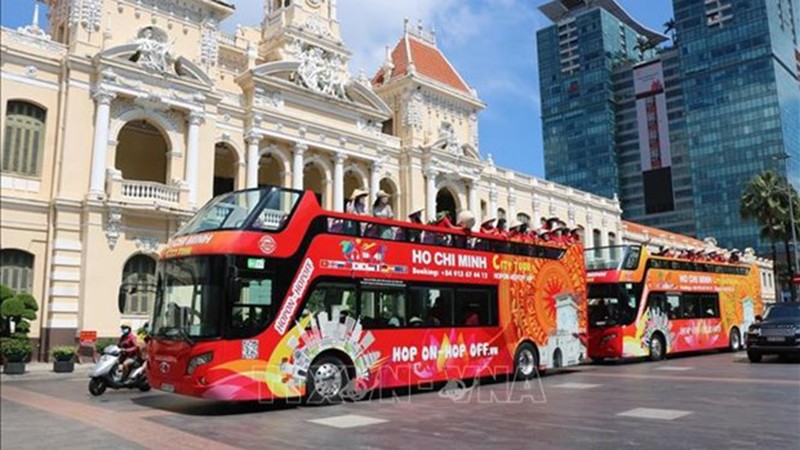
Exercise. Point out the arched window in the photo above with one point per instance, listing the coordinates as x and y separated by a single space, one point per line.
139 281
23 145
16 270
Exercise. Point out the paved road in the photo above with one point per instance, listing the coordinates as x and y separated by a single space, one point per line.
697 402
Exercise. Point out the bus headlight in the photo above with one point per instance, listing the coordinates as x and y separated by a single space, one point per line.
198 361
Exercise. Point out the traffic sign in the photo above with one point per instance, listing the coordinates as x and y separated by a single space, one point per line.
796 279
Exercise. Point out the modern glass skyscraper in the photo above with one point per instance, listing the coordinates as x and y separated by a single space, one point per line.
678 131
739 63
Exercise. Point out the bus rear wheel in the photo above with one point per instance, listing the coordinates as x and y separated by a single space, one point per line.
326 379
657 348
735 340
526 361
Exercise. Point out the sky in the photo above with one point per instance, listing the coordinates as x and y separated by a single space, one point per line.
492 43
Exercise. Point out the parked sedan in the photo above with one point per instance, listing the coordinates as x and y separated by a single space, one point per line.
777 333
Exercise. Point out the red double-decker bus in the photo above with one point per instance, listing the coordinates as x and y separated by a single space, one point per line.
643 305
264 295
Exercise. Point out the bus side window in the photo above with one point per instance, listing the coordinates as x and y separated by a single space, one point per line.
690 306
329 296
673 306
253 309
657 301
710 303
429 307
475 307
383 309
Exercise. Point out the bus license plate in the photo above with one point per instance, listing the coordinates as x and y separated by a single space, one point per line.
167 388
775 339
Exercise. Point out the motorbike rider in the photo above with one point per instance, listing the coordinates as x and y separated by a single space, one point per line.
129 348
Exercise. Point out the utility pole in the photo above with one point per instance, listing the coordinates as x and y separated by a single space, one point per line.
789 191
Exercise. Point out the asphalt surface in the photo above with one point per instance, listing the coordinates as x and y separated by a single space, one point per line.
695 402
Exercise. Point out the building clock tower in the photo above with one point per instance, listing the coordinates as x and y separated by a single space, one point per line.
290 26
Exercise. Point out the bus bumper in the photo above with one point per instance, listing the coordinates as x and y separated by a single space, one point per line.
605 343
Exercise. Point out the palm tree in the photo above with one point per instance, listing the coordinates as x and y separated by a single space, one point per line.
761 201
669 28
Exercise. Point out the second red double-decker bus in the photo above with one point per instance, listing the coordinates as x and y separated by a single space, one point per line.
265 295
642 305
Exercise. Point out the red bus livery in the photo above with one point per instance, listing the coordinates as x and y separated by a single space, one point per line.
646 305
265 295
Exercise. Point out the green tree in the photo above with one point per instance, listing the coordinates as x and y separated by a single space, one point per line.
766 200
20 308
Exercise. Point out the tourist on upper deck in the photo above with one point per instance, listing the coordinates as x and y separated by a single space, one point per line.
381 208
357 203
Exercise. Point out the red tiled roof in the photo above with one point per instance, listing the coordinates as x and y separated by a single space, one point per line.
428 61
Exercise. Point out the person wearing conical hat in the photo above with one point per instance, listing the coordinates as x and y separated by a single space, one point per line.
488 225
357 204
416 216
466 219
381 208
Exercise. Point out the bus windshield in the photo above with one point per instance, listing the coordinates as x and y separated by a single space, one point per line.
625 257
266 209
189 299
613 304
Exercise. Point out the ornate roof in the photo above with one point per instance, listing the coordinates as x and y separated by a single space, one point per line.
427 60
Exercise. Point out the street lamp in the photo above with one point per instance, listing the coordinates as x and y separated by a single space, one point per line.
785 157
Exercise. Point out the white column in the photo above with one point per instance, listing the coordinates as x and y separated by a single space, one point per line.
472 185
298 164
492 200
333 10
430 197
253 139
103 98
374 182
338 182
195 119
512 205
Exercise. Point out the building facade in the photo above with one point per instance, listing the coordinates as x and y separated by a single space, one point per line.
121 118
679 129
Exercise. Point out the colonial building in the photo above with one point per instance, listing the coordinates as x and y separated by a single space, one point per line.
121 118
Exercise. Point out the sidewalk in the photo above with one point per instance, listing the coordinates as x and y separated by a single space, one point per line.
39 371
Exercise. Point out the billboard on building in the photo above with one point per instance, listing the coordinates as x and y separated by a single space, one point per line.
651 115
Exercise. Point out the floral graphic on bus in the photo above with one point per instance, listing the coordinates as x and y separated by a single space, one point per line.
656 320
313 335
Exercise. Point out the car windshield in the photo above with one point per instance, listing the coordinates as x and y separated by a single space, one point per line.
189 299
624 257
783 312
612 304
269 208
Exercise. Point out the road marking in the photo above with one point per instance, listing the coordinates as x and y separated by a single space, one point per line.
655 413
771 381
674 368
576 385
348 421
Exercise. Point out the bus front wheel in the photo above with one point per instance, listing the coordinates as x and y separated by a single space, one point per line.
526 362
327 378
657 348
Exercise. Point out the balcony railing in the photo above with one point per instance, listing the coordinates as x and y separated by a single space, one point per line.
150 191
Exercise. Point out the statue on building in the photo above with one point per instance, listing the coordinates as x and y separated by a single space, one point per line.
323 73
152 51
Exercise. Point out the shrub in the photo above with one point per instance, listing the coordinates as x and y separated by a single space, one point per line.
16 350
102 343
19 308
63 353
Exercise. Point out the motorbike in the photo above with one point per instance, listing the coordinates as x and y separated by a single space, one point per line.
107 373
